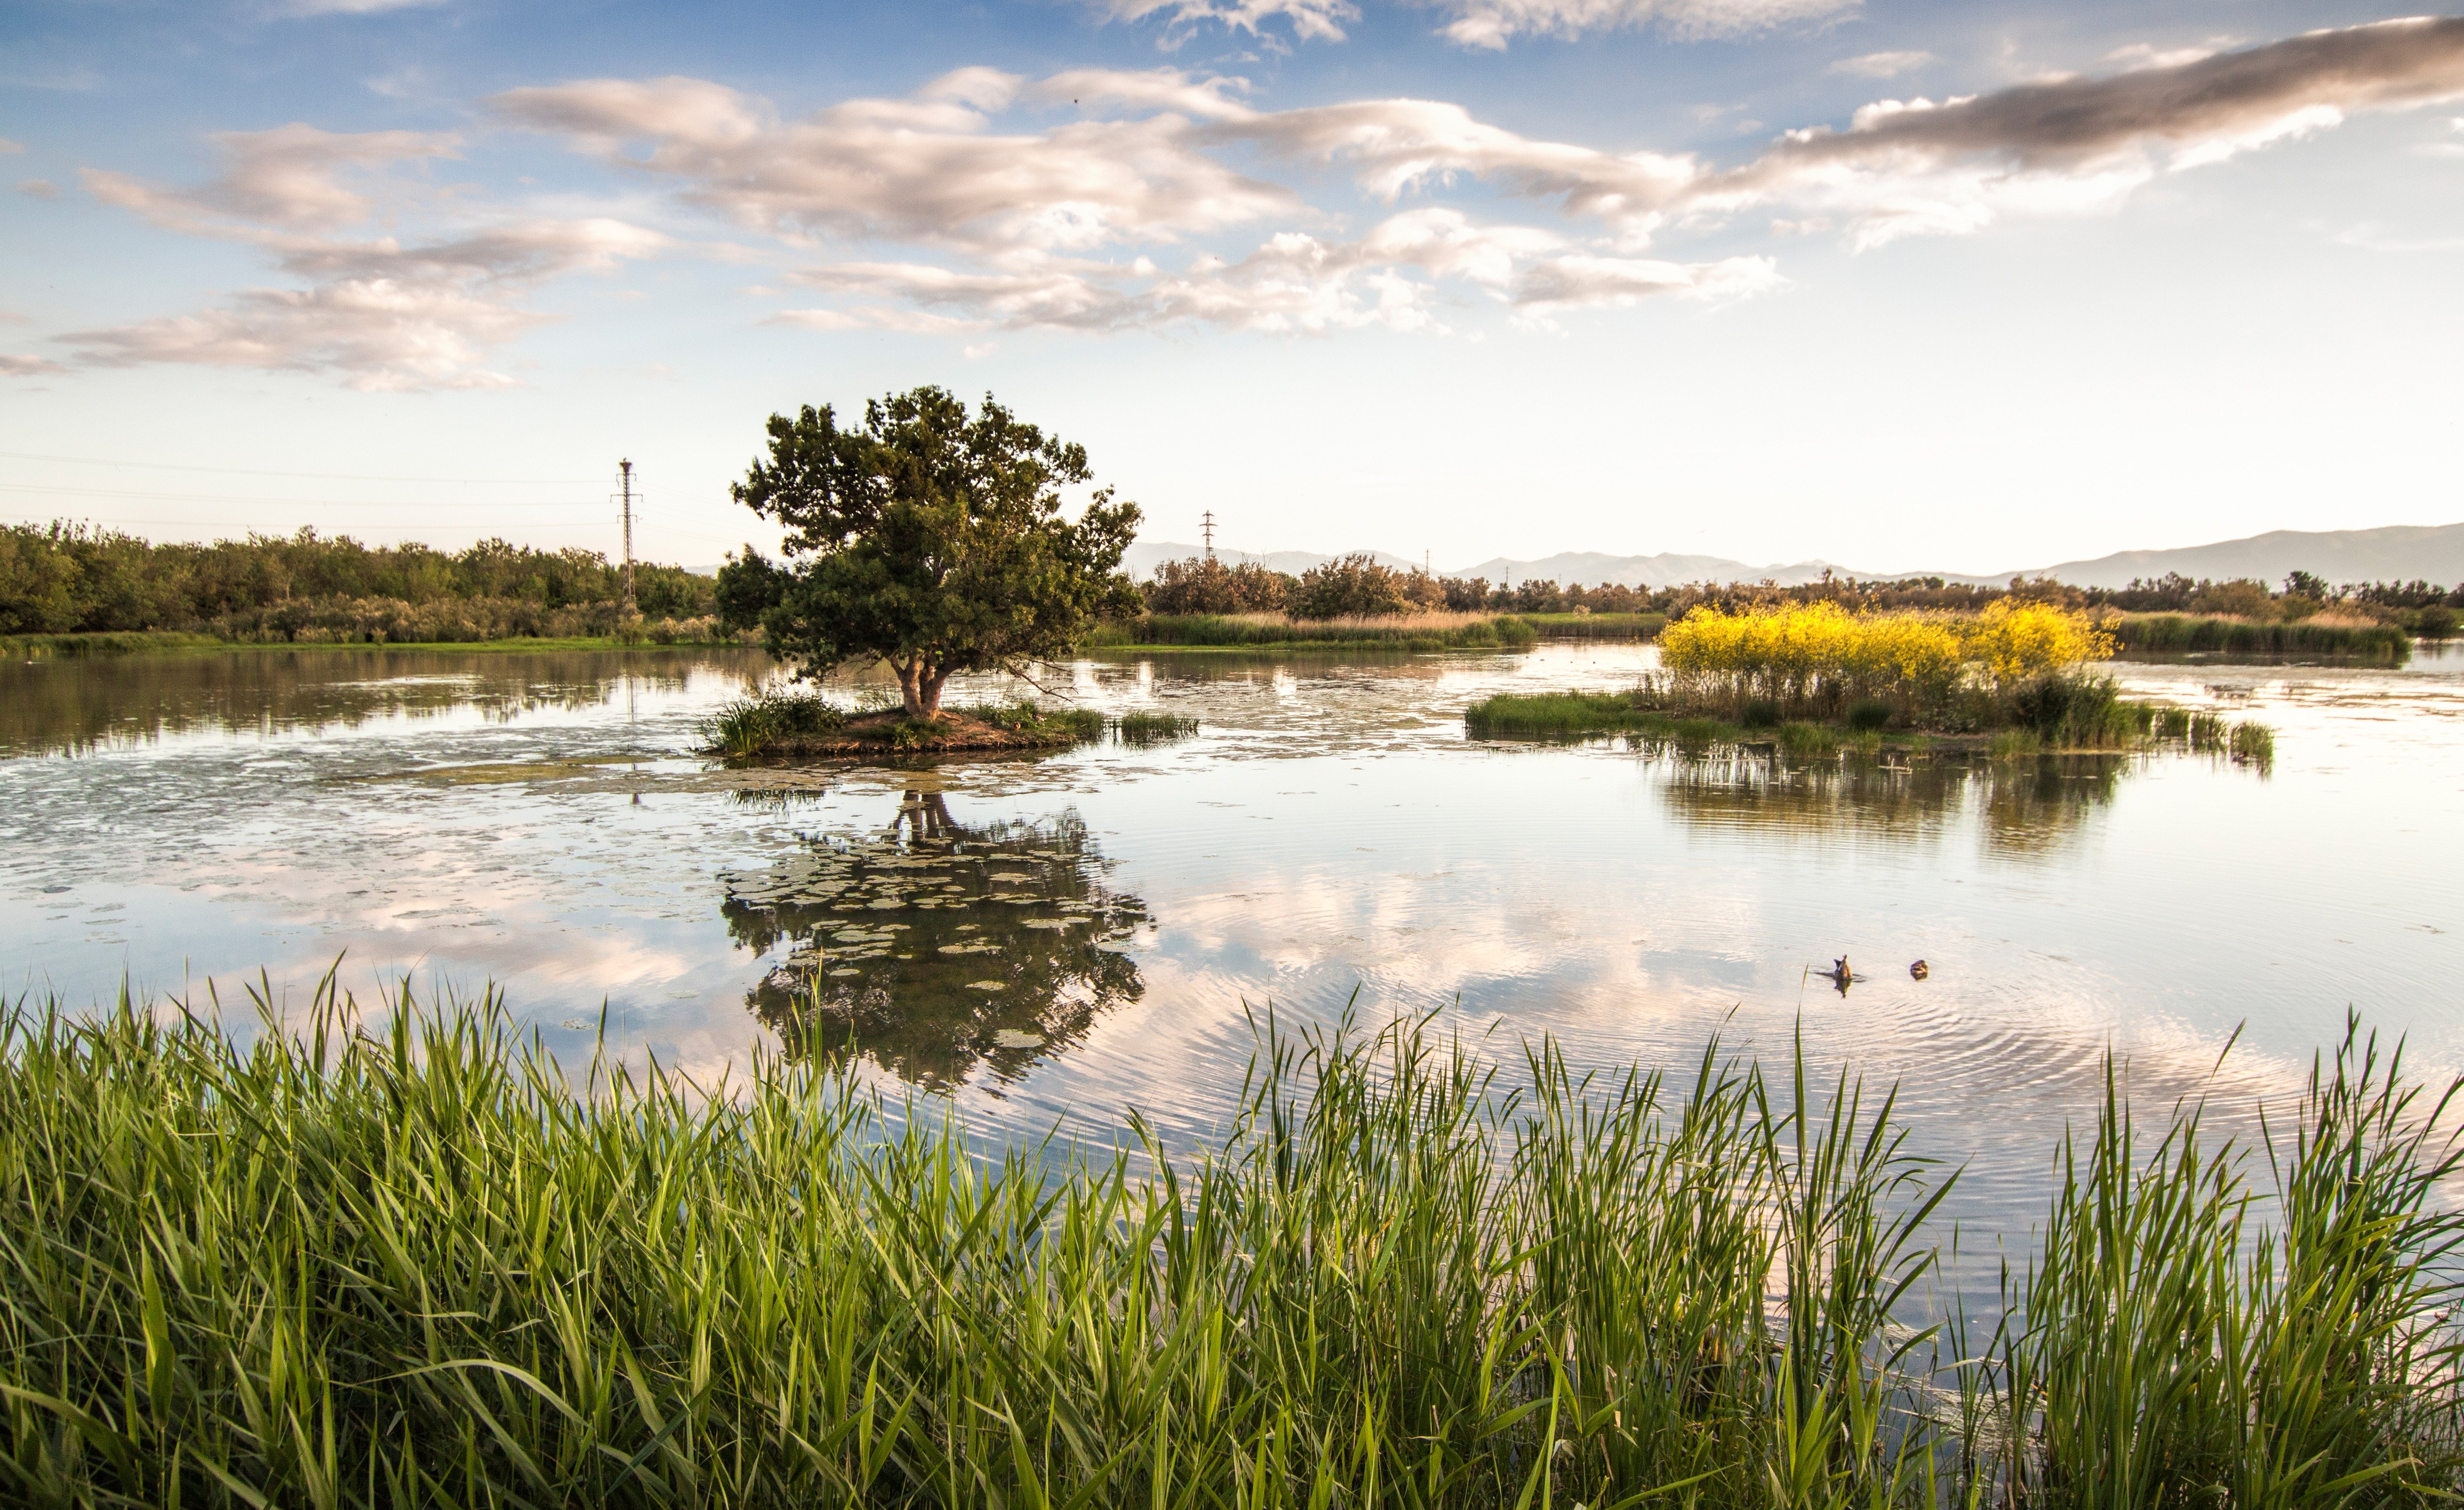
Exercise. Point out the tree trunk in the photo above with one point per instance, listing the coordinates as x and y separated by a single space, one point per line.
928 691
911 688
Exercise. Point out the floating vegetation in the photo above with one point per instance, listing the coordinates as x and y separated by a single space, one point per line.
1142 727
419 1266
910 994
2254 744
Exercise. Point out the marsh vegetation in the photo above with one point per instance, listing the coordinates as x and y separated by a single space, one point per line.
1434 631
810 723
412 1261
1810 677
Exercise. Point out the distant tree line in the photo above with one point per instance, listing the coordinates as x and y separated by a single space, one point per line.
69 578
1359 585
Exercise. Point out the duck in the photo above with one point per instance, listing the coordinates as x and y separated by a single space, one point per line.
1919 971
1839 974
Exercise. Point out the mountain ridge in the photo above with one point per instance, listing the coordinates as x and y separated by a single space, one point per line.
2386 552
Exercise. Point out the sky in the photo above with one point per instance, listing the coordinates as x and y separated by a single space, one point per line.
1903 286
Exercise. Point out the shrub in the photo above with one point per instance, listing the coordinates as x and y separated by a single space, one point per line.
1359 586
1759 712
1868 714
1207 585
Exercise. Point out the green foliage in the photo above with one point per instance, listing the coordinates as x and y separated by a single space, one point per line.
2252 743
1027 716
424 1266
751 725
1567 715
2433 621
2177 634
2166 1353
1206 586
65 579
1759 712
1357 586
928 538
1145 726
1417 632
1868 714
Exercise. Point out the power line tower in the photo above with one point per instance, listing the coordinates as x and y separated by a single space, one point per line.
627 467
1206 528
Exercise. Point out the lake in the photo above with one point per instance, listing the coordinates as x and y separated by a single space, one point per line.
1053 940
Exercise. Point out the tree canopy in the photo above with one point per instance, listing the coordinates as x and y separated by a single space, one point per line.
928 538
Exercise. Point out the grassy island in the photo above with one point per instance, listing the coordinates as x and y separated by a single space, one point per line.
415 1263
808 726
1807 678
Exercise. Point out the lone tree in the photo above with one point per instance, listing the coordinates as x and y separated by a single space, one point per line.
926 538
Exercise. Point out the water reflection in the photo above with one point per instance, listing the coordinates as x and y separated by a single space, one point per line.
2025 807
72 706
934 947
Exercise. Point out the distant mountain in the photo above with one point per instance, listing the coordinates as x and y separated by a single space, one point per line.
1665 570
2396 553
1145 556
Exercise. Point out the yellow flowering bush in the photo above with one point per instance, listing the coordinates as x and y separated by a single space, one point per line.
2017 641
1818 653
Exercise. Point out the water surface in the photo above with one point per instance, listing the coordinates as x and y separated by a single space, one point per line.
1059 938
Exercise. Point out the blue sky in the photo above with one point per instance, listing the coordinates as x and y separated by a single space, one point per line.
1969 288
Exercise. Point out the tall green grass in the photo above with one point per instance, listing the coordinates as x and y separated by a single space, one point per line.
419 1264
2182 634
1596 625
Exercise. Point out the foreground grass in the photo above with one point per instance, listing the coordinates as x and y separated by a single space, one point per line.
417 1267
1428 631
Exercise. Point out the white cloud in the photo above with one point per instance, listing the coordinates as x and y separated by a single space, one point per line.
1881 65
1394 145
1579 278
923 168
38 188
1310 20
9 149
379 312
283 181
1291 284
1494 23
18 366
2139 56
378 333
2083 145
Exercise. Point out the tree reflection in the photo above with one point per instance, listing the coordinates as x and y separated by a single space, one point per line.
74 705
2022 808
934 947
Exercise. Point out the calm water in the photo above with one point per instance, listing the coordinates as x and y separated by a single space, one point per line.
1056 939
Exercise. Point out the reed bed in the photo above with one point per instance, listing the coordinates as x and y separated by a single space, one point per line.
1145 726
1596 625
1422 631
418 1263
2187 634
